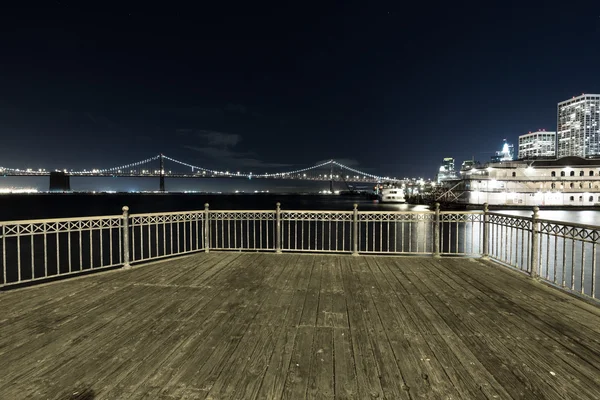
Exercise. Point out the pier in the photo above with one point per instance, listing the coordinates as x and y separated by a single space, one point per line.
231 325
231 305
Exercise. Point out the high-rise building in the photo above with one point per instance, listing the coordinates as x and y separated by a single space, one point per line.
447 172
537 145
578 127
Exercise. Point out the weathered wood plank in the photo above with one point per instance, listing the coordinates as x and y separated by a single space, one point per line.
367 374
325 317
433 327
424 375
548 300
556 325
483 336
270 331
320 377
531 350
542 355
266 317
209 357
344 368
392 382
432 351
299 368
280 365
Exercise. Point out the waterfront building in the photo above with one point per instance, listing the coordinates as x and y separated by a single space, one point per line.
578 127
540 144
568 181
447 171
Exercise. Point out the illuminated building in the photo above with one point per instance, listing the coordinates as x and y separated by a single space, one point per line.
568 181
538 144
506 154
447 172
578 127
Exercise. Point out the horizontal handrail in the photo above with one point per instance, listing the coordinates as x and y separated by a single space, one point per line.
570 224
53 220
157 214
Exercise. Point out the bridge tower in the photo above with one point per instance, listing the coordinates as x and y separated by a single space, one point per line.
162 173
331 176
60 182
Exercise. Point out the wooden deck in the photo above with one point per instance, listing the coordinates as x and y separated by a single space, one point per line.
267 326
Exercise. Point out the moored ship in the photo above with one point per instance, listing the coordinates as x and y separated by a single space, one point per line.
568 181
391 194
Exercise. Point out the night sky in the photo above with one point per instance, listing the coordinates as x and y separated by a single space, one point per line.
387 88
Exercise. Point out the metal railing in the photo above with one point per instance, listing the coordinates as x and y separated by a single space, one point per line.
40 249
563 254
157 235
567 255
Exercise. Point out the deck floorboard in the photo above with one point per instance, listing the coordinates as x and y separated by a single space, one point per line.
227 325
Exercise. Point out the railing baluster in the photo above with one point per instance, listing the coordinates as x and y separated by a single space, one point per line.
69 232
260 235
171 248
91 250
45 250
132 239
292 244
278 228
593 287
164 226
18 254
534 243
582 270
4 281
302 236
197 232
573 264
248 233
125 223
185 235
31 250
355 230
548 260
58 249
206 228
141 230
436 231
156 241
556 260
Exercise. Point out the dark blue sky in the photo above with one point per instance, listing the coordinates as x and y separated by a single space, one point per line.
388 88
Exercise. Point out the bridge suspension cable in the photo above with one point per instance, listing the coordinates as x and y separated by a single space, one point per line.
122 167
361 172
194 166
249 174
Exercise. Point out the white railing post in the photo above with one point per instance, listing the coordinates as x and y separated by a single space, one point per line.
436 232
278 228
355 230
534 243
125 220
486 231
206 228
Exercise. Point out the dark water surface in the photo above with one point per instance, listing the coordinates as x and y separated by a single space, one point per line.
38 206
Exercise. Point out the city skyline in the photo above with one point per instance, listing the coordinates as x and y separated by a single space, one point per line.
386 88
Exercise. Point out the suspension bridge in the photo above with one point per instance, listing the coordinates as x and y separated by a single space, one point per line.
162 167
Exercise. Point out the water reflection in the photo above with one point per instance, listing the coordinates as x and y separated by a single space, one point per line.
587 217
